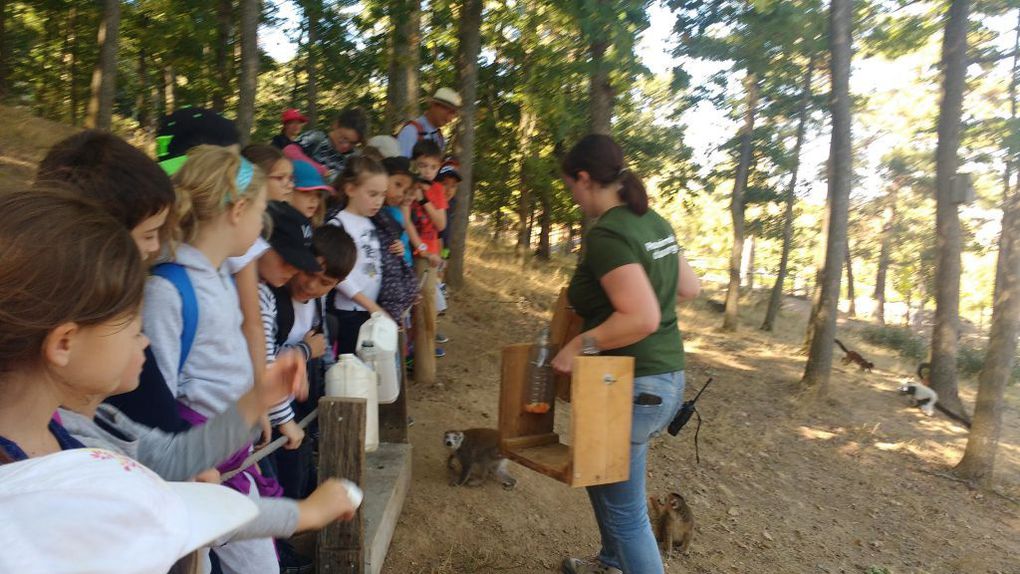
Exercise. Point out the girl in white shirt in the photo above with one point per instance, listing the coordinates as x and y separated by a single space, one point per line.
363 183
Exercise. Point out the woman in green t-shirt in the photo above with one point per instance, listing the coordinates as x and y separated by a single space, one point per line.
626 288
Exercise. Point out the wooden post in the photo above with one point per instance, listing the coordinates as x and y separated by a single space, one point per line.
425 326
393 417
342 455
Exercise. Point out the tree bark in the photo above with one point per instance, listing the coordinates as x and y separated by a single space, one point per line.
730 316
104 78
71 59
776 296
752 245
469 48
1007 176
600 91
850 291
885 251
224 19
313 14
819 363
4 56
947 217
405 49
251 10
978 461
525 129
545 228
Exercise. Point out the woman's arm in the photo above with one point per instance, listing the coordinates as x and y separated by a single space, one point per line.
688 286
636 314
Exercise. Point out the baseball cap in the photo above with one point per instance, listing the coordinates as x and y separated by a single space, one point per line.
447 97
448 170
397 165
306 177
190 127
91 510
292 236
292 115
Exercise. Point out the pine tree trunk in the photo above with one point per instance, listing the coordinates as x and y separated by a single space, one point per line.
525 129
142 112
497 226
730 317
1007 177
816 290
71 59
949 243
405 44
850 292
545 228
313 14
978 461
752 245
251 10
104 78
224 19
819 363
600 91
884 253
776 296
469 48
3 49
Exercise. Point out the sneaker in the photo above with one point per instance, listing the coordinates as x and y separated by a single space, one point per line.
442 339
440 353
587 566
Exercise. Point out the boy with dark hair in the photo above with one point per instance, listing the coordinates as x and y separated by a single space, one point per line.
293 316
429 216
125 182
329 151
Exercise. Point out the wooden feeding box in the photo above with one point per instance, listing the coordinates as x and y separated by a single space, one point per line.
598 451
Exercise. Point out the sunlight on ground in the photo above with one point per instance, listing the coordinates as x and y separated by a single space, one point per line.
815 434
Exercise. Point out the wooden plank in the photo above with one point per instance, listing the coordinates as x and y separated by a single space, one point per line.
393 417
387 480
530 441
425 326
342 455
600 422
513 420
552 460
566 324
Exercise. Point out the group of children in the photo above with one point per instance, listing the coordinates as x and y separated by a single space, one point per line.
181 314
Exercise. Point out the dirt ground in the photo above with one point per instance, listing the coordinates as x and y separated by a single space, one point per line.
848 486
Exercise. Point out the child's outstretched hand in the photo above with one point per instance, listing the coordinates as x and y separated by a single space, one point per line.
325 505
285 378
294 433
397 248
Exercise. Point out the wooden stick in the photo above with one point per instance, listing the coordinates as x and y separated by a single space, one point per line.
268 449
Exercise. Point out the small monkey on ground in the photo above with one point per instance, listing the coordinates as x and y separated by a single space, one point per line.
477 451
855 357
672 522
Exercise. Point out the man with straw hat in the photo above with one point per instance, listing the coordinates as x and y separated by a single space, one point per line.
443 107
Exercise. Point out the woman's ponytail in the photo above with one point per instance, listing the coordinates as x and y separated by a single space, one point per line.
632 192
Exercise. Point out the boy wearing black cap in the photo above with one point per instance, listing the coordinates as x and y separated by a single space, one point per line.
290 252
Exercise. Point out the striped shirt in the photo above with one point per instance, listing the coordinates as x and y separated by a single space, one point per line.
281 413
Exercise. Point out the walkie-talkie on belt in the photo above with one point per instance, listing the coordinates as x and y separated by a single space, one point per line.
684 414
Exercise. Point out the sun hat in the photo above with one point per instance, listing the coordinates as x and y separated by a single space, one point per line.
91 510
447 97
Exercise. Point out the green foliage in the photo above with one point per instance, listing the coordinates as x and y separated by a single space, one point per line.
901 339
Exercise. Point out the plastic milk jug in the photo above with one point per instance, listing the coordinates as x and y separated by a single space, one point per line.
352 378
378 347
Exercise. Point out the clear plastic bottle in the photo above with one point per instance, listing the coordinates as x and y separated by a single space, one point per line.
541 388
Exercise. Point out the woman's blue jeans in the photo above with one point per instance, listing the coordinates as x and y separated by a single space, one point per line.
621 508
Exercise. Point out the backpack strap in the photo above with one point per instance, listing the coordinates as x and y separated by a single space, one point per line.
178 277
284 314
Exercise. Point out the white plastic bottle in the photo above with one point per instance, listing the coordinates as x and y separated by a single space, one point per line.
351 378
378 347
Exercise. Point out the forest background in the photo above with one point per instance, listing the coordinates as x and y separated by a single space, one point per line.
729 130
